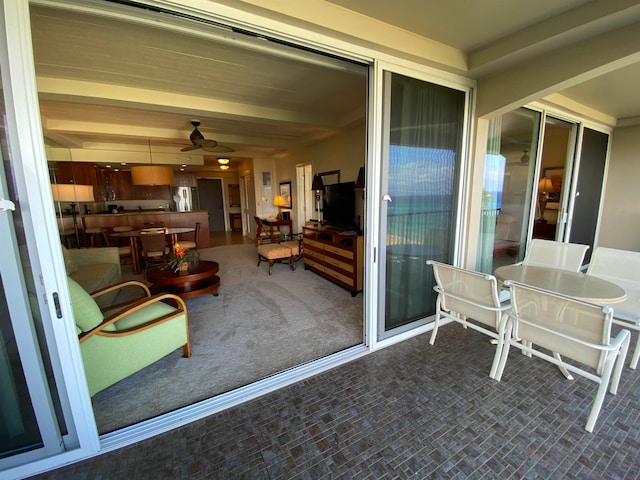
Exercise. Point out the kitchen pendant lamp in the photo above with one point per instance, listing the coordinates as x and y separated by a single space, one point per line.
151 174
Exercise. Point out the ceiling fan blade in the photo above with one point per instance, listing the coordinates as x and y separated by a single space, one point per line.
189 148
218 149
201 142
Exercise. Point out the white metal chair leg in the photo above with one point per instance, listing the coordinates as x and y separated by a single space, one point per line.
562 369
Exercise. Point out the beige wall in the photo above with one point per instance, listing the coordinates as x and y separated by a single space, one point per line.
620 226
345 152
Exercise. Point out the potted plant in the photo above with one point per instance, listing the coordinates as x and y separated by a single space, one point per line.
179 262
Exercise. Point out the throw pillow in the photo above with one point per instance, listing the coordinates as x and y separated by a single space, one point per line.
86 312
69 265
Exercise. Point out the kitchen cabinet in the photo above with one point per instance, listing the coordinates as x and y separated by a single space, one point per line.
184 179
80 174
116 185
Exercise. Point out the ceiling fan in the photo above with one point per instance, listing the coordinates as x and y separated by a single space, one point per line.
198 141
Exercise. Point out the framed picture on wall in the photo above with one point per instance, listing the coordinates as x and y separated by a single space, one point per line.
285 193
329 178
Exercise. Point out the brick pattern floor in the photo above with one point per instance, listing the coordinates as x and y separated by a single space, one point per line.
409 411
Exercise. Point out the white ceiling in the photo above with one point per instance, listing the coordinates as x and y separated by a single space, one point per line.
265 104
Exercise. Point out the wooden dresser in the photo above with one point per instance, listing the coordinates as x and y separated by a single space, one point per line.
334 254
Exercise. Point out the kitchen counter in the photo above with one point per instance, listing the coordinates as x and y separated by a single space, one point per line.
137 219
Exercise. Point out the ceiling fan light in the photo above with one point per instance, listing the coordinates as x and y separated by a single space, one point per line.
223 161
224 167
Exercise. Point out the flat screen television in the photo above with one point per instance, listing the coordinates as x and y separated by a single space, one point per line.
339 205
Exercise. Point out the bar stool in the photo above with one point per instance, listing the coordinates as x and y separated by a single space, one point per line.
90 236
125 251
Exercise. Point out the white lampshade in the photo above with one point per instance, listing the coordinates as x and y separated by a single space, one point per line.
72 193
151 175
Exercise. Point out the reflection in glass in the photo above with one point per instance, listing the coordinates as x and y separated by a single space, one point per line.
508 180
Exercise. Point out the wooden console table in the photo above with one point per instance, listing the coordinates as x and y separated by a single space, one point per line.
277 224
335 254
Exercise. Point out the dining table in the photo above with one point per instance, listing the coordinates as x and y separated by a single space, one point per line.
134 235
573 284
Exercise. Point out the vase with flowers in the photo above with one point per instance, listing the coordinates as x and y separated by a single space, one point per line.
179 262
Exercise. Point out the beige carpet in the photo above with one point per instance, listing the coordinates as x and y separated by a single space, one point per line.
258 325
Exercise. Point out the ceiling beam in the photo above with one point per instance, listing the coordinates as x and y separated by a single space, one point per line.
557 70
114 95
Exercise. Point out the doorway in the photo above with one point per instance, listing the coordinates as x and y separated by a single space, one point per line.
211 199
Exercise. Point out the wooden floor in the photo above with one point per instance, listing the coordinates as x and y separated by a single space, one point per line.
228 238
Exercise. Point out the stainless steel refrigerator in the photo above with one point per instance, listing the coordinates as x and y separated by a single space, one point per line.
185 198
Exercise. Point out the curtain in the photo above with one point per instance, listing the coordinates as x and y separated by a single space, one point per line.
425 137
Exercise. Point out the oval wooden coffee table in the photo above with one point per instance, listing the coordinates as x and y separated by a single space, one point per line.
201 279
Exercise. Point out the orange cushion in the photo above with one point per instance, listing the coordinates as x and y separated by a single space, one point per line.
274 251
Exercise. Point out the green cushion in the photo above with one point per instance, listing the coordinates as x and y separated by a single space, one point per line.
69 264
86 312
146 314
95 277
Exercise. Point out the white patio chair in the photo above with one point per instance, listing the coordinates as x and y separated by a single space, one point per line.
548 253
567 327
621 267
465 295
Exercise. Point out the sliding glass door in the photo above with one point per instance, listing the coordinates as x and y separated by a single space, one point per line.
543 179
30 426
423 134
582 226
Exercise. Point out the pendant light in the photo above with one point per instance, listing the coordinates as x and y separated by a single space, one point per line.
151 174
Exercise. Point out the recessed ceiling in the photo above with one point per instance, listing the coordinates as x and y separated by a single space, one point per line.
105 80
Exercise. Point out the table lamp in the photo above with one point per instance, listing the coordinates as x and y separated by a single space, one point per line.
544 188
279 202
317 186
73 194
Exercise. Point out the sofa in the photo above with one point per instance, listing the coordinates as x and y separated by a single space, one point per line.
94 269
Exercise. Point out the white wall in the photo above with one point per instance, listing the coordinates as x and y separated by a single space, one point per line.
620 227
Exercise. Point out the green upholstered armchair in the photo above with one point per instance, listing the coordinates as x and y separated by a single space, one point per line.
122 339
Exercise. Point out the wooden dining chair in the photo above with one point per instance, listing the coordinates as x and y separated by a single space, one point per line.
621 267
469 298
154 249
566 328
191 244
124 247
264 236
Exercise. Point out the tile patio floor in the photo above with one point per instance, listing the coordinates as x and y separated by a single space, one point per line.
409 411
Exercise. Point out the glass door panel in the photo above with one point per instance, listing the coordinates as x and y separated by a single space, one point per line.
587 197
553 183
31 421
507 188
424 125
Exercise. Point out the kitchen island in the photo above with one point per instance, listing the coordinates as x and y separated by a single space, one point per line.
138 218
